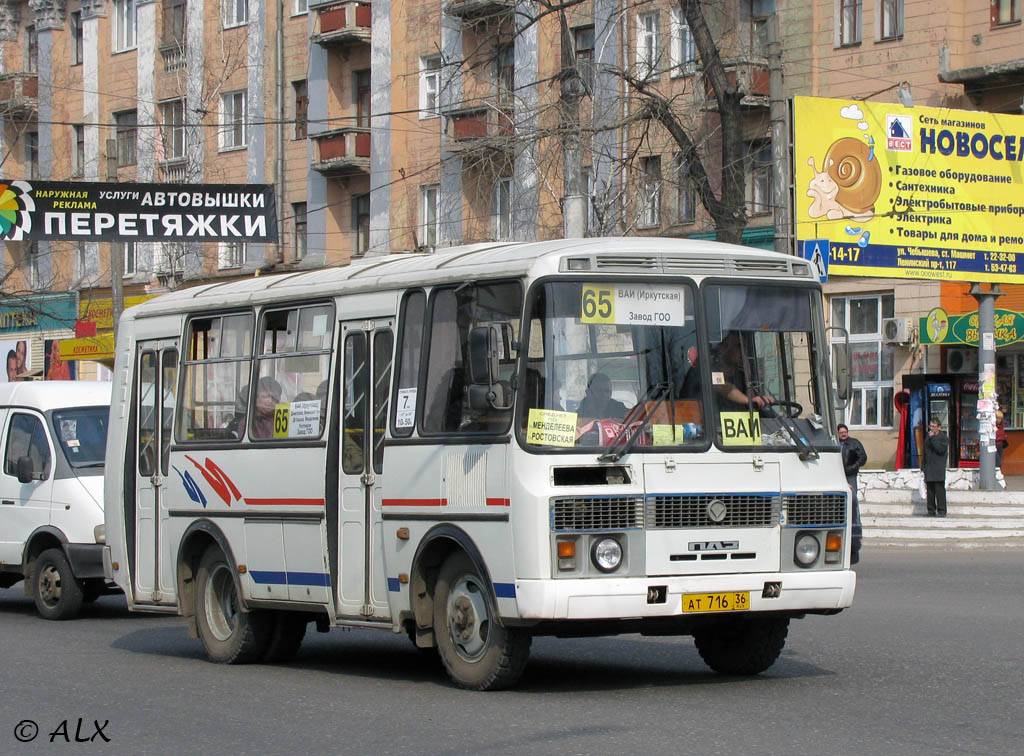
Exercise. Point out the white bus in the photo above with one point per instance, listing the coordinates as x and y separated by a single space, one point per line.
426 444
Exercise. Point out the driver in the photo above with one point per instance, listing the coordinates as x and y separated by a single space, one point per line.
729 364
598 400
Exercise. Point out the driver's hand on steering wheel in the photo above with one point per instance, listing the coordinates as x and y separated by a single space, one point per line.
761 401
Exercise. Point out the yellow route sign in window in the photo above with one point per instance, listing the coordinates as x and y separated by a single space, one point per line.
551 428
740 429
598 304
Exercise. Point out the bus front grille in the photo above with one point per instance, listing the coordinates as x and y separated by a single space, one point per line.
597 513
815 509
700 511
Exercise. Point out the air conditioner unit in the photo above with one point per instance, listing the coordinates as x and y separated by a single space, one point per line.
961 360
898 330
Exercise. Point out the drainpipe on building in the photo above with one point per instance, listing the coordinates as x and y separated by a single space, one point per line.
986 382
780 139
279 105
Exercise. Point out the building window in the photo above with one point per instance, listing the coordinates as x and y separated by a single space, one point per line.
849 22
299 7
231 254
78 155
1005 12
33 277
647 52
430 86
891 26
362 84
587 173
32 153
81 262
759 178
361 223
126 124
236 13
32 49
299 216
650 191
124 25
686 205
173 113
301 92
505 74
77 39
683 50
872 359
583 39
232 120
501 209
174 23
430 215
127 252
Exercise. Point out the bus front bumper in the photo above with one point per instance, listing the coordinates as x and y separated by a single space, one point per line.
611 598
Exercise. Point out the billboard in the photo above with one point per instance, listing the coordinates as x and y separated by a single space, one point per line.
909 192
91 211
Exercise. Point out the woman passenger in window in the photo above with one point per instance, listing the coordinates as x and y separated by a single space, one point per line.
268 394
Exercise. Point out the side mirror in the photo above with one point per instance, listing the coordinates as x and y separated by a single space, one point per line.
484 366
842 367
23 469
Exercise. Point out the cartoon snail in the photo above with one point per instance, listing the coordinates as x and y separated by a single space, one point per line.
848 184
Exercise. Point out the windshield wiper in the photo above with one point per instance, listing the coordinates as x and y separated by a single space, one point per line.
80 465
621 445
807 449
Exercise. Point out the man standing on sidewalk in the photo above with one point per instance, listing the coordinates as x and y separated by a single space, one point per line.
854 457
936 448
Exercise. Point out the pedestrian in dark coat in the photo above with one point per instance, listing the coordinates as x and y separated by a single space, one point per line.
854 457
936 449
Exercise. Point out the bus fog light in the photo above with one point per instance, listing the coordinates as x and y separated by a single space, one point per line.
606 554
807 549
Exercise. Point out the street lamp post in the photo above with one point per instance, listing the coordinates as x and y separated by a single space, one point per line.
987 398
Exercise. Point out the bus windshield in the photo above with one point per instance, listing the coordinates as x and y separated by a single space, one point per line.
626 365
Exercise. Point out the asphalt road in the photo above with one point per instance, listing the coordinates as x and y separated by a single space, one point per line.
928 661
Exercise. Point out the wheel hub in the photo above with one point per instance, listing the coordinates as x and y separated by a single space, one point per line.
49 585
468 619
463 618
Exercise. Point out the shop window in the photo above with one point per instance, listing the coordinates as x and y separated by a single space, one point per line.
870 404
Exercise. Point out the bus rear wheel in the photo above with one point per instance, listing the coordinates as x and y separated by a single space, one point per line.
478 652
745 646
229 635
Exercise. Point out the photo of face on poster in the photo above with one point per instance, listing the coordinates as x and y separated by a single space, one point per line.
54 368
16 360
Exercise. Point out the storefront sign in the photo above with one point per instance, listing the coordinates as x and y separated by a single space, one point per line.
939 328
910 192
38 313
100 312
92 211
99 347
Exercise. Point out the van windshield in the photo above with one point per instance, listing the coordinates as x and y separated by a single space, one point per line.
81 434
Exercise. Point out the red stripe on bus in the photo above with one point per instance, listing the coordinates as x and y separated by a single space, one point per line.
285 502
414 502
498 502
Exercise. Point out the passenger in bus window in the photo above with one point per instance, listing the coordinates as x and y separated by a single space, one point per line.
268 394
598 400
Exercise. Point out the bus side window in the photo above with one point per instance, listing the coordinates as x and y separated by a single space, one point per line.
406 387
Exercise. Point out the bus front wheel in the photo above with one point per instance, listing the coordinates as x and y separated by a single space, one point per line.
229 635
478 652
745 646
56 590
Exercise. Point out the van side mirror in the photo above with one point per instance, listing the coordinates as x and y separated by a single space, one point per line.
23 469
842 369
484 368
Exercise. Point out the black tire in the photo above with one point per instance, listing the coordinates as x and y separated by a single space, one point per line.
745 646
229 635
478 652
55 589
286 636
92 590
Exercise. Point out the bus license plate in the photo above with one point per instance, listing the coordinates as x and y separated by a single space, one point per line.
734 601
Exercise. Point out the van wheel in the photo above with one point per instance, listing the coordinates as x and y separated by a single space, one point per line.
286 636
742 647
229 635
57 592
478 652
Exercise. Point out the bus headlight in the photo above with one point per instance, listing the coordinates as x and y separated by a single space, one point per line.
606 554
806 550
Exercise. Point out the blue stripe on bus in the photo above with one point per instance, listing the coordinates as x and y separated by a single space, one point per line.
393 585
290 578
505 590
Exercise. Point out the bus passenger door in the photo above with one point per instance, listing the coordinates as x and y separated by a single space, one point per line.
153 570
366 353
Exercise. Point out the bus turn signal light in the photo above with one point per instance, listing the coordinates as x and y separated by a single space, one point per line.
834 542
566 549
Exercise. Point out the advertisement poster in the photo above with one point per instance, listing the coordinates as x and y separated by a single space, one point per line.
55 368
910 192
18 359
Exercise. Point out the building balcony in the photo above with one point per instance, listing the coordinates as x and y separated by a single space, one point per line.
173 54
483 126
471 10
339 24
752 78
173 171
19 94
342 152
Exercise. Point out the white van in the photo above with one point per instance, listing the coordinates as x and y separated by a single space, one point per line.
52 443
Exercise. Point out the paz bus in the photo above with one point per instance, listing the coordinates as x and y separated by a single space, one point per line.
473 447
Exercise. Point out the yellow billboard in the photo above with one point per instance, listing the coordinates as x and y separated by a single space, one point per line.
886 190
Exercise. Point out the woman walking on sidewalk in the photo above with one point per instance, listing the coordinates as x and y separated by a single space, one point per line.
933 463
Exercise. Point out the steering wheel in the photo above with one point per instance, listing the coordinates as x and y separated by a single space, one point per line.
793 409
